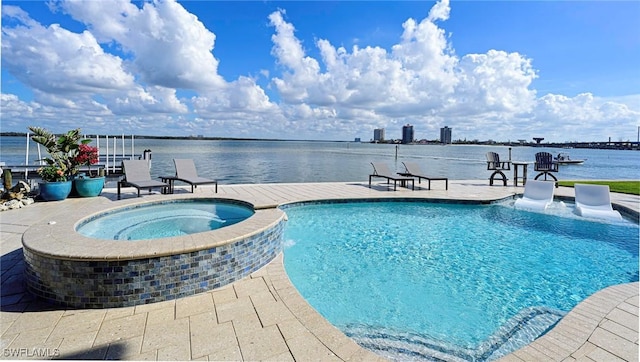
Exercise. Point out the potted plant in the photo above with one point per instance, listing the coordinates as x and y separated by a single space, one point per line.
60 166
54 185
87 185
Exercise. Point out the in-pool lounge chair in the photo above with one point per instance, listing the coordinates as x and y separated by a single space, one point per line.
538 195
381 170
186 172
136 174
594 201
545 165
494 164
412 169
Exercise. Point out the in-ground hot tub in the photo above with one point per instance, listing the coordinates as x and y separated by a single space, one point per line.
68 268
164 219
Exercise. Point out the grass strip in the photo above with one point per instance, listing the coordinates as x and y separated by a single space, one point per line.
623 187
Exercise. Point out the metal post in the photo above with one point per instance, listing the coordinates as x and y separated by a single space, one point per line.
146 155
106 156
115 144
26 160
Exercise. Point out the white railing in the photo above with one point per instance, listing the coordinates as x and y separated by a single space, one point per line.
109 158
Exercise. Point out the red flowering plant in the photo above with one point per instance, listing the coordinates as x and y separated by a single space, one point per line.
87 155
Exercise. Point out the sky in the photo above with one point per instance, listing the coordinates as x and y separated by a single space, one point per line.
324 70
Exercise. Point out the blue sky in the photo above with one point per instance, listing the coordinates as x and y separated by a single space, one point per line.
502 70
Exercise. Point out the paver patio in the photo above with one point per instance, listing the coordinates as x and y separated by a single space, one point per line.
263 317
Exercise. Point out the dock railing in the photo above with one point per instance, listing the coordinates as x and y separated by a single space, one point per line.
109 164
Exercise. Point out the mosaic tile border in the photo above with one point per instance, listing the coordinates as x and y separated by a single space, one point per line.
120 283
626 212
394 199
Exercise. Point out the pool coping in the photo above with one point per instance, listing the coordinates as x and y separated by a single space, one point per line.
340 344
51 237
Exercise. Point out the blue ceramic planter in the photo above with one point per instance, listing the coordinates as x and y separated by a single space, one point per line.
88 187
54 191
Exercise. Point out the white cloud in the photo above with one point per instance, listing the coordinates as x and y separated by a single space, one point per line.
70 70
439 11
171 47
151 69
54 60
166 48
495 81
583 116
421 81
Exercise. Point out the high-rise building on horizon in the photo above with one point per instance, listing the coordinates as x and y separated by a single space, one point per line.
378 135
407 134
445 135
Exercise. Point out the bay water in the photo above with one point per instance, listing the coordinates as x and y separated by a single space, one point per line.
256 161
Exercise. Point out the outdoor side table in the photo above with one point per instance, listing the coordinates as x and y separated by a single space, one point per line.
170 181
516 166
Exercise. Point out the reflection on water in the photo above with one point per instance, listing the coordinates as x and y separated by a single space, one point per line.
302 161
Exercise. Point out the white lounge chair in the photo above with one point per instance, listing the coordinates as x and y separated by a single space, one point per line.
538 195
186 172
594 201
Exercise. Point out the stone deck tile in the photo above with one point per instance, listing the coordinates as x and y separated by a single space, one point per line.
114 330
606 334
263 316
196 304
262 343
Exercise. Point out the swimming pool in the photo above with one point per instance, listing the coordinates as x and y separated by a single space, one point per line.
164 219
414 280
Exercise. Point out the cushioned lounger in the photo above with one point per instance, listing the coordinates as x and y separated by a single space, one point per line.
382 171
412 169
136 174
186 172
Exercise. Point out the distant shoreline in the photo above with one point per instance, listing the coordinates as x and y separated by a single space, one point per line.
619 145
195 138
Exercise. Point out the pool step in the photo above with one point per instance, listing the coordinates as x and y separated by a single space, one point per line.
522 329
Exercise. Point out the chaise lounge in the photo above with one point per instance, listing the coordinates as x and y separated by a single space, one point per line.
186 172
538 196
594 201
136 174
412 169
382 171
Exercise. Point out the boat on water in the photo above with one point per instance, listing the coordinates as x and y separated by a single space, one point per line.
564 159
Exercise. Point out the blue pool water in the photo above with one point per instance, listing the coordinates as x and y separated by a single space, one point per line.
165 219
414 280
